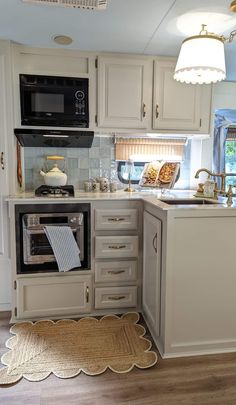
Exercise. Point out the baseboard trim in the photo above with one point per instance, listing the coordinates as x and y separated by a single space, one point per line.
5 314
206 352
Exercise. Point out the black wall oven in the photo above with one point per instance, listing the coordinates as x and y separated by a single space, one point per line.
34 252
54 101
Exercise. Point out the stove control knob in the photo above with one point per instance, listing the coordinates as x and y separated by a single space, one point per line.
73 220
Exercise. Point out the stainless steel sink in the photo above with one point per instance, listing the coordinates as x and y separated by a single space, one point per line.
180 201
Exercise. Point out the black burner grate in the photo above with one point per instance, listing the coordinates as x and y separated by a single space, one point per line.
50 191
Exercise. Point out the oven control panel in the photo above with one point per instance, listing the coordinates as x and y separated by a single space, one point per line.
38 221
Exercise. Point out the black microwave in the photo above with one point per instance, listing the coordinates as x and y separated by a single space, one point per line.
54 101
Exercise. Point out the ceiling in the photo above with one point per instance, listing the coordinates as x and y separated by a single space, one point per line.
150 27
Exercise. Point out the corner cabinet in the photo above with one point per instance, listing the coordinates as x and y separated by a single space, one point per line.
124 92
178 106
152 272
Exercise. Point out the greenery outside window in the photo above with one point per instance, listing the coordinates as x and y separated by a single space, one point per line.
230 156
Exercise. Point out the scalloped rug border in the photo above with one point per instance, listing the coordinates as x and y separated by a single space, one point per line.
7 379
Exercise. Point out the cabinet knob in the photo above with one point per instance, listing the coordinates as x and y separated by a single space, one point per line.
2 161
157 110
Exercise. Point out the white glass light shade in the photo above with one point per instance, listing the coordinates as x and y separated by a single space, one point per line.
201 60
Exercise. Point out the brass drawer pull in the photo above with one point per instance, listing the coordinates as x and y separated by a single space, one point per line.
154 243
2 161
87 294
116 219
144 110
116 272
118 298
116 247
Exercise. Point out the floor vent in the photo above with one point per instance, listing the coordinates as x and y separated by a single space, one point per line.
86 4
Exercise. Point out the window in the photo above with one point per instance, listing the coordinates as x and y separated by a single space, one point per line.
144 150
136 175
230 156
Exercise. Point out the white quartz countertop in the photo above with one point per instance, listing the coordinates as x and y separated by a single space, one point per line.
151 196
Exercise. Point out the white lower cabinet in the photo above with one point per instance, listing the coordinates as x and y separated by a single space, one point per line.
115 297
116 219
51 296
152 271
111 272
116 246
116 264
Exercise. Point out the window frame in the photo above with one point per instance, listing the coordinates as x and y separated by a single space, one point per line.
233 174
120 165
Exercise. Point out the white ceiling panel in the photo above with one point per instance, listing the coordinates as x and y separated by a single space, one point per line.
125 26
155 27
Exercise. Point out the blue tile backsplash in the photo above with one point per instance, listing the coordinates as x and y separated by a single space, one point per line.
80 163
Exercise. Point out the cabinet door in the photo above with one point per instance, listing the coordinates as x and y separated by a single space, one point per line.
176 105
5 271
152 271
124 92
53 296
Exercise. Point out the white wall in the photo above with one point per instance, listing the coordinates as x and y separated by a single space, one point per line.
224 96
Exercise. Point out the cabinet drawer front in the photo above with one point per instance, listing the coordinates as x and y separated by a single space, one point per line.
115 271
115 297
116 219
116 246
51 296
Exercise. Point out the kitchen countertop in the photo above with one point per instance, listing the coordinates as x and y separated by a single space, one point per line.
151 196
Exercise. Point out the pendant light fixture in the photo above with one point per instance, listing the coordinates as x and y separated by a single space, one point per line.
202 57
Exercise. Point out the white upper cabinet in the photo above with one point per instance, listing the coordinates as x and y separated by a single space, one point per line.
132 96
6 144
124 92
178 106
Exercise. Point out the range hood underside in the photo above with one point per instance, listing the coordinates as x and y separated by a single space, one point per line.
53 138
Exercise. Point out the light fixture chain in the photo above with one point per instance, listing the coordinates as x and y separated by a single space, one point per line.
231 36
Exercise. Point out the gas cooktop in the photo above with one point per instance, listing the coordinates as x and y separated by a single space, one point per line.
55 192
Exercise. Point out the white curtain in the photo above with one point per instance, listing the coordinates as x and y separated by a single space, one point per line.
223 119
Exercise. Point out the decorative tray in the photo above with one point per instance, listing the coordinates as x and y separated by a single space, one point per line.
160 174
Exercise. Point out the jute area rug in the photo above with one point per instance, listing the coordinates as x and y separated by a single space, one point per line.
67 347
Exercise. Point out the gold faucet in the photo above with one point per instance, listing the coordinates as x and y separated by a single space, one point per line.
221 175
230 195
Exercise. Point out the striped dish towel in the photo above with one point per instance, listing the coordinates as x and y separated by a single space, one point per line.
64 246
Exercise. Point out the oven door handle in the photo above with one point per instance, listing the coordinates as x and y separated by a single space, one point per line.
41 231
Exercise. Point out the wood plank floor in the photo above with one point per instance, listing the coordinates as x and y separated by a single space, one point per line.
187 381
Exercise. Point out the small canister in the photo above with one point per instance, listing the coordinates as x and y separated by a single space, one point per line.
87 186
95 186
209 187
113 186
104 184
